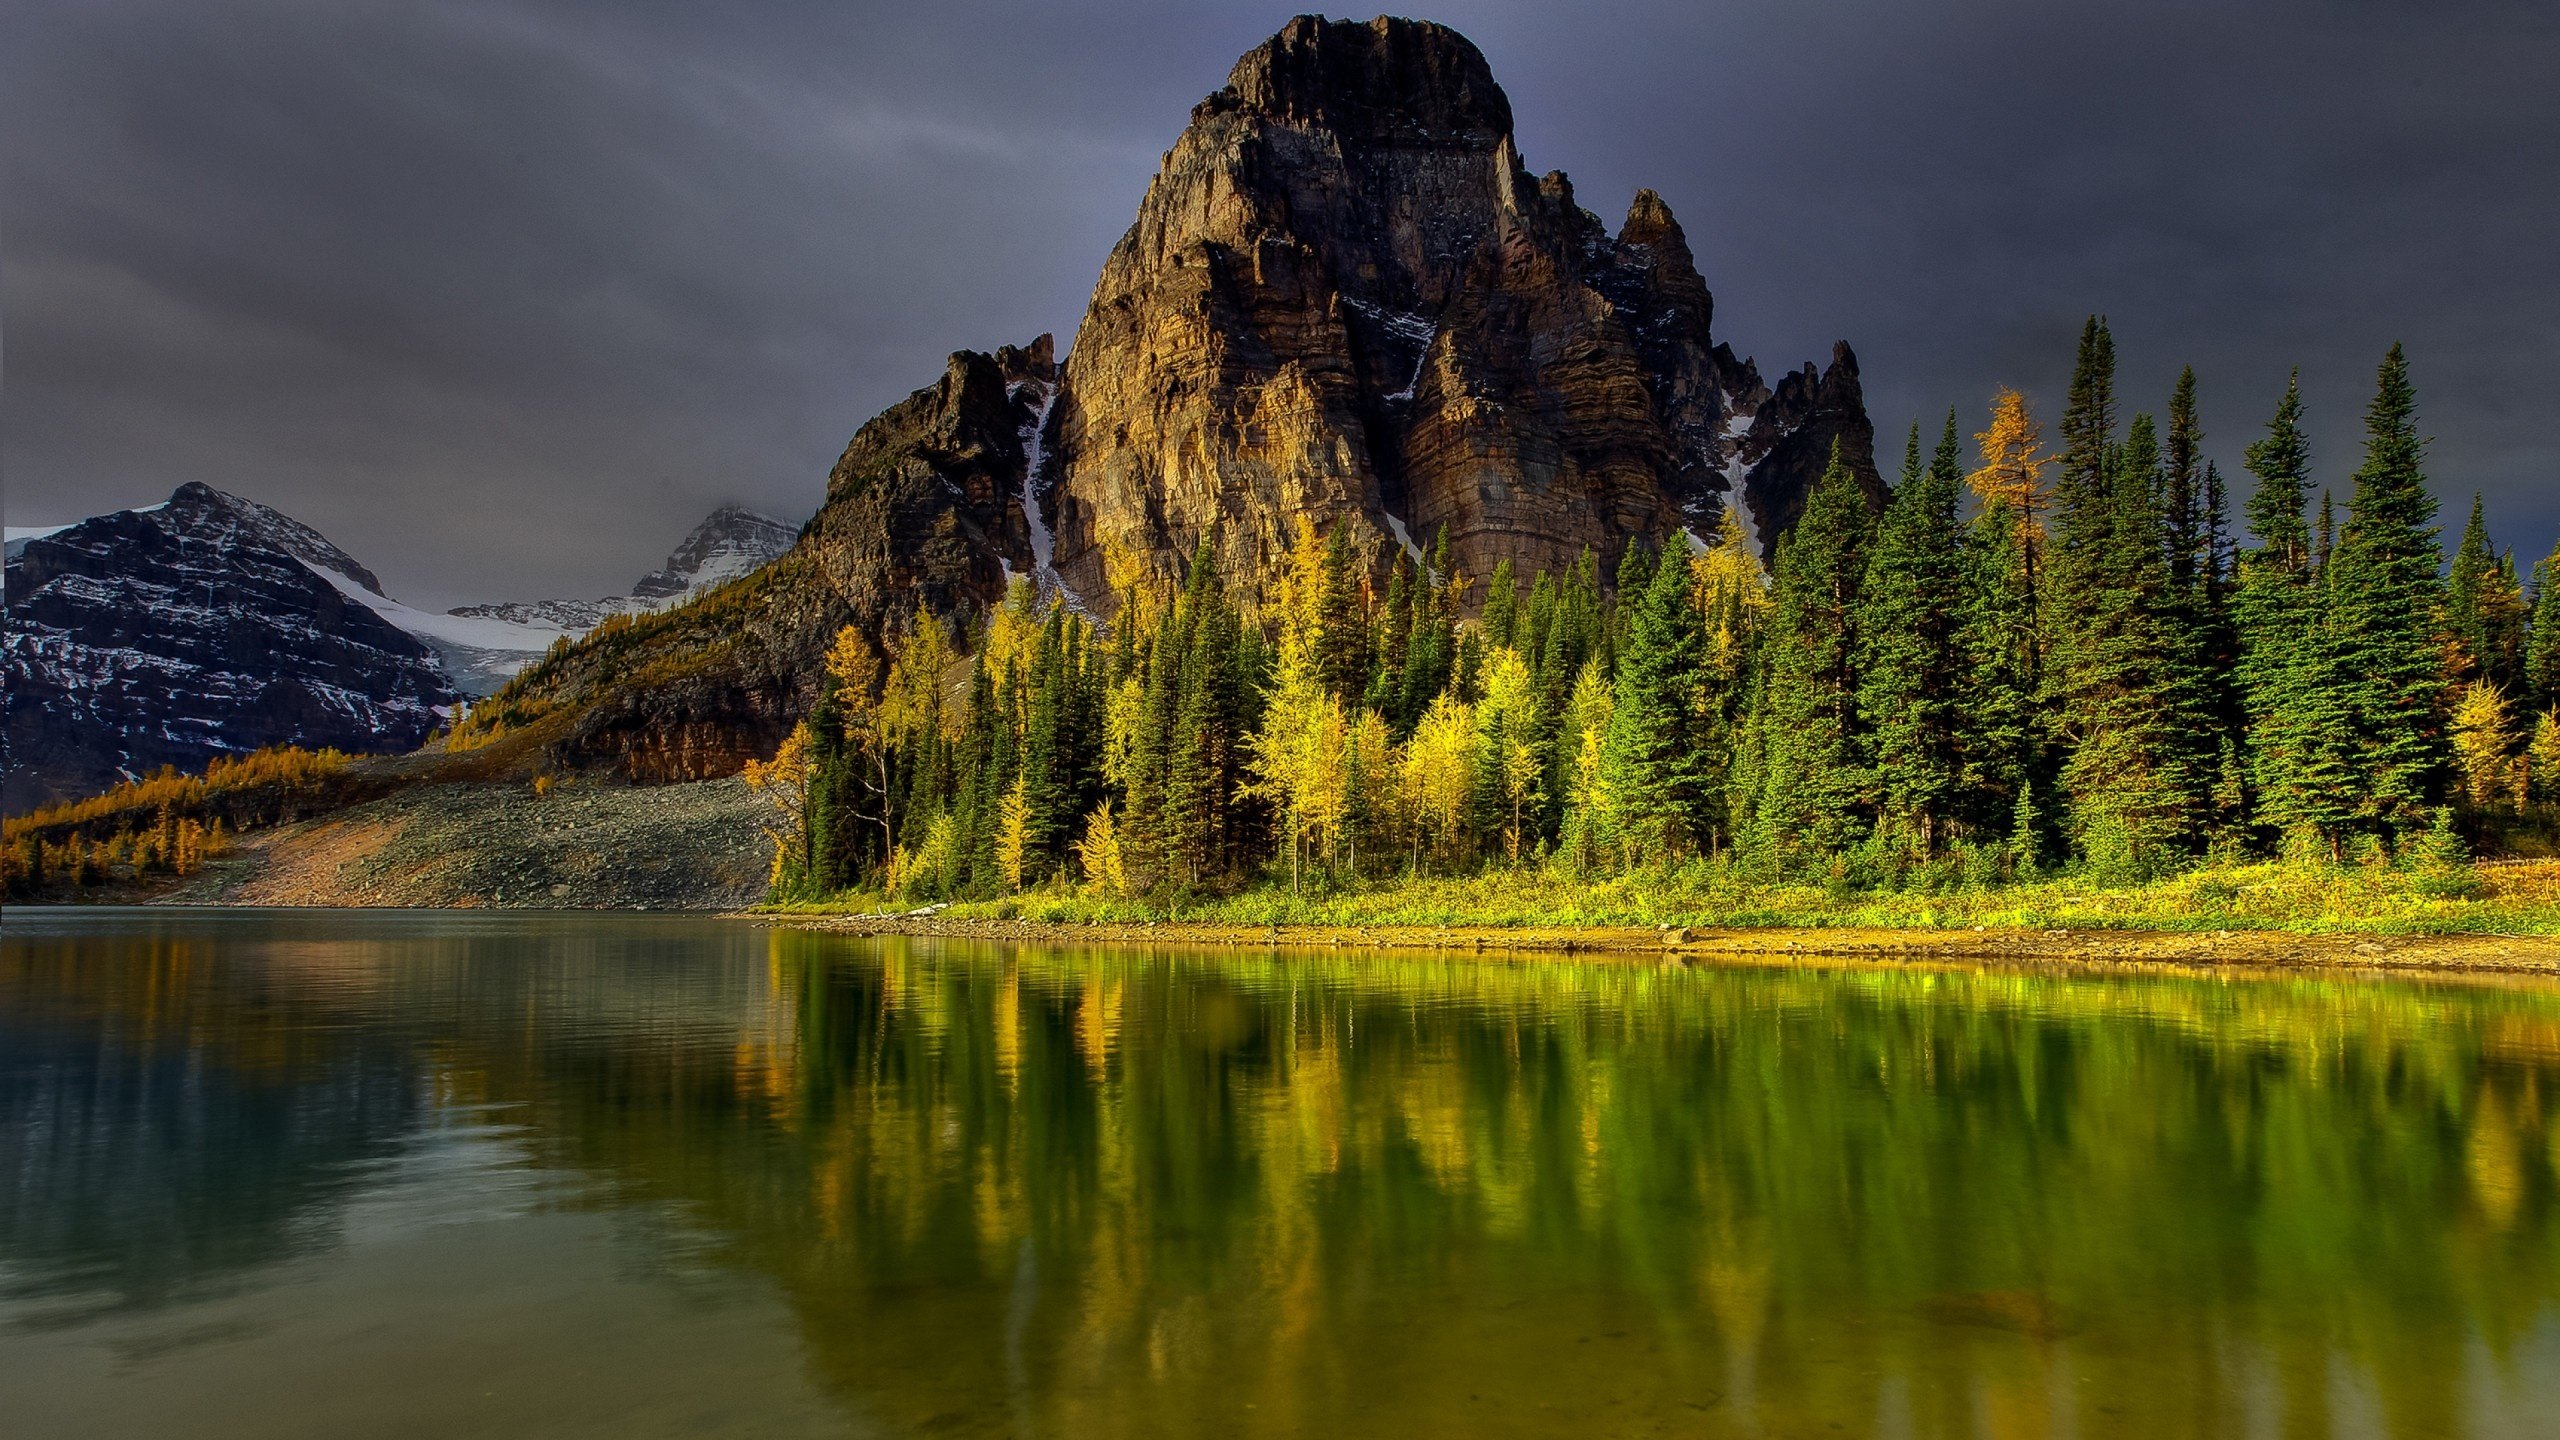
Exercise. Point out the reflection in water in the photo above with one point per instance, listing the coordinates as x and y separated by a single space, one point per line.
1060 1192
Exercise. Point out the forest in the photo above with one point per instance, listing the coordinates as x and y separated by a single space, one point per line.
2030 661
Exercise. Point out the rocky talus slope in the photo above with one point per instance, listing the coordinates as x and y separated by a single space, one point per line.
1345 298
502 844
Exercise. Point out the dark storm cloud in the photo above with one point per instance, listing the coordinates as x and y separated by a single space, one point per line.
502 297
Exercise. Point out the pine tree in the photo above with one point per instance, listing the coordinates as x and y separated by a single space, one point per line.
2485 610
2541 680
1654 764
1730 592
2195 660
2287 684
2385 603
1813 779
1501 614
2119 780
2474 566
1343 655
1910 663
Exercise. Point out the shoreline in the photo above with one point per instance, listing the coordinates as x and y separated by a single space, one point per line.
2092 949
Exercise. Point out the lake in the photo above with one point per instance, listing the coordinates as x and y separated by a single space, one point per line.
273 1174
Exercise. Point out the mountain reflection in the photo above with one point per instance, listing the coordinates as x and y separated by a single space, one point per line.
1044 1191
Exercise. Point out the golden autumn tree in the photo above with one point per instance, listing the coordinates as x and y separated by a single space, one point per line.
2481 744
1439 773
853 669
1590 817
2013 464
783 781
1507 723
1296 759
1098 851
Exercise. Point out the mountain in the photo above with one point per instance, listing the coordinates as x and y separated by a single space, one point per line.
207 625
730 542
211 625
1345 298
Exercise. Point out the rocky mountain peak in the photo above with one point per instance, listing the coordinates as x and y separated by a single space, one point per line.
202 626
1344 298
198 511
1387 80
731 541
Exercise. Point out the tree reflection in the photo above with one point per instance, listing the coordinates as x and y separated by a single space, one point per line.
1076 1191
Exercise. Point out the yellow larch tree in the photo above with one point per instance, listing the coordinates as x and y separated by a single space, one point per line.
783 781
1506 721
2481 744
2013 464
1439 774
1295 760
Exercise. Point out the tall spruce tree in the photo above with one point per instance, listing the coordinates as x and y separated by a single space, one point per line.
2299 751
2194 680
2541 682
2474 569
2126 808
2002 644
1911 669
2386 600
1654 764
1807 746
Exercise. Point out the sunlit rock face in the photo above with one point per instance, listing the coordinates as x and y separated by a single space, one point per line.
1346 298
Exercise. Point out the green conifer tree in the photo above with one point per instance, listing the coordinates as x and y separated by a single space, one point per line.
1655 762
2386 600
1814 779
1911 671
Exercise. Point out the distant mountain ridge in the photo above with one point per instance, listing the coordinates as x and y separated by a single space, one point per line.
211 624
730 542
204 626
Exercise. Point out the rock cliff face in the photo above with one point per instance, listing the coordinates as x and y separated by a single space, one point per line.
204 626
1346 297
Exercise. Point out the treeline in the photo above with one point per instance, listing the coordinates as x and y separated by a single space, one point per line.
2081 666
167 823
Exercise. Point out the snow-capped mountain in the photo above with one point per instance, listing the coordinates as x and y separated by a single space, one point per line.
210 624
730 542
203 626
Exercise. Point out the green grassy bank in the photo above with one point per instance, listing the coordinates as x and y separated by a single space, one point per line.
2502 898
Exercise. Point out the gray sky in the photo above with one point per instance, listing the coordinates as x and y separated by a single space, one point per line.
503 297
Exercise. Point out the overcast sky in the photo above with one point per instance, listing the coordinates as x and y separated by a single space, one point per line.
502 297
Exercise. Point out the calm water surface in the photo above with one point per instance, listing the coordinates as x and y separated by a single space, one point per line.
277 1175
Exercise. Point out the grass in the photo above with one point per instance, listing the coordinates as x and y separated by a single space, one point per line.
2502 898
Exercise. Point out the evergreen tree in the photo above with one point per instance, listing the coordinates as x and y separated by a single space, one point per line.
2002 646
1342 656
2474 567
1910 661
1500 617
2385 603
2294 739
2120 781
1654 763
2541 681
1810 754
2194 681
